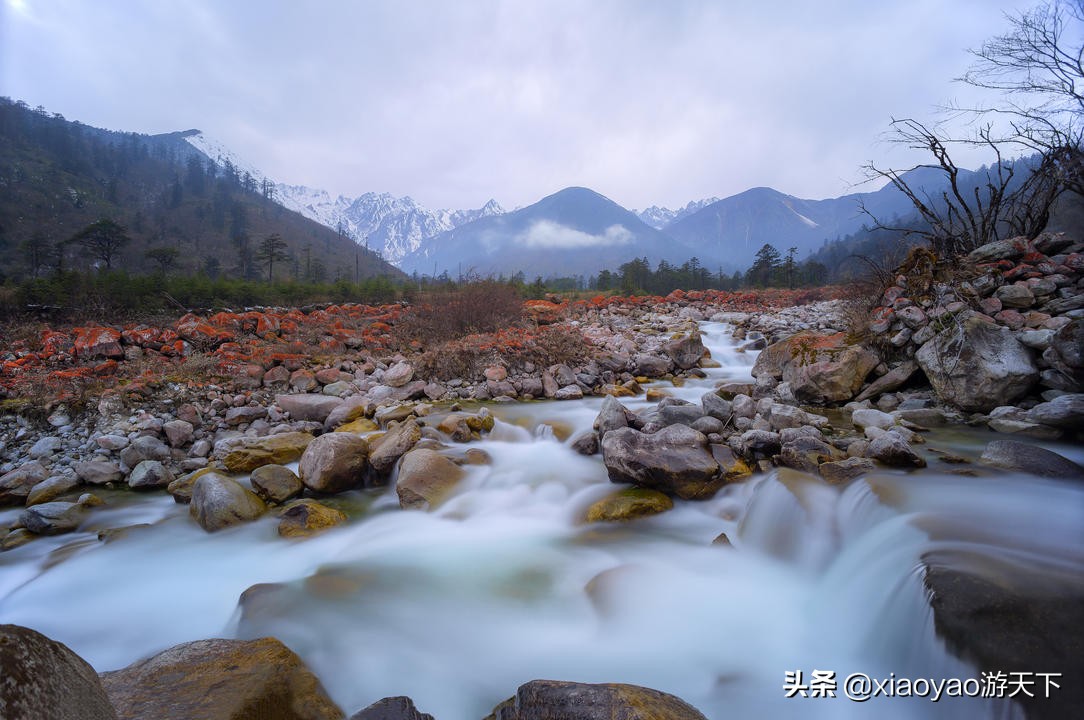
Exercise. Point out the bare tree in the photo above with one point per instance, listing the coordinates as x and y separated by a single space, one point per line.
1038 68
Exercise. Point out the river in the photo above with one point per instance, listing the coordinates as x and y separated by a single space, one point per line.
505 583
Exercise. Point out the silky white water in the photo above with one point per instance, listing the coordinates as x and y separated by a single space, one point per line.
505 583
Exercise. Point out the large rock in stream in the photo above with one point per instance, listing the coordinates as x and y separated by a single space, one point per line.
425 479
675 460
391 708
41 678
219 502
555 700
820 368
977 365
220 680
334 463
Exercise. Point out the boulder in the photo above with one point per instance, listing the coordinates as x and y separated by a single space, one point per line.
178 432
890 381
1032 459
219 502
685 351
269 450
629 504
145 447
391 708
806 453
425 479
647 365
612 416
841 471
555 700
220 680
863 418
334 463
149 475
41 678
398 374
53 518
1066 354
51 489
1064 411
677 412
586 443
275 483
675 460
819 368
569 392
16 485
96 472
977 365
386 450
305 518
716 407
891 449
308 407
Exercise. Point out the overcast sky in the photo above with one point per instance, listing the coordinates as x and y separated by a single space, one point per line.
647 102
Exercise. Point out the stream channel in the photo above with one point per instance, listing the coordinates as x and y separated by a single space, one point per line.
505 582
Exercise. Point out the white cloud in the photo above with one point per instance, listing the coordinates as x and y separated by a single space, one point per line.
550 235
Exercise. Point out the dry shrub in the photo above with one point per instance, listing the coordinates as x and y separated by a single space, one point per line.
481 306
554 345
464 358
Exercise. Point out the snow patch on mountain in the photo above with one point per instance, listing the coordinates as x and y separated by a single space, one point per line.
659 217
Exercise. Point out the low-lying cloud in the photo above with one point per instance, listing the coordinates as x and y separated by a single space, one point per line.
551 235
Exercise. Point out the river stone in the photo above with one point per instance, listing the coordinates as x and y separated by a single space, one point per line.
391 708
149 475
1032 459
385 451
612 416
53 518
425 479
806 453
890 381
675 412
1004 249
1003 621
863 418
51 489
716 407
556 700
685 351
358 426
219 502
819 368
1066 352
45 447
976 365
398 374
307 406
334 462
569 392
41 678
220 680
647 365
305 518
733 467
181 488
275 483
145 447
675 460
586 443
16 485
629 504
1064 411
841 471
269 450
178 432
891 449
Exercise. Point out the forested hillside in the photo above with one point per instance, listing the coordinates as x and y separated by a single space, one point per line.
170 209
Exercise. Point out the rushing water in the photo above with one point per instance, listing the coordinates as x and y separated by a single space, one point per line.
505 583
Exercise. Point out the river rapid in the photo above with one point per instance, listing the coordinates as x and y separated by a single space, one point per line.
505 582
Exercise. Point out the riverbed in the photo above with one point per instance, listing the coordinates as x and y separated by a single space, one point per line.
505 582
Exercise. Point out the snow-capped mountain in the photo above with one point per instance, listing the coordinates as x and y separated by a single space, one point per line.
388 225
659 217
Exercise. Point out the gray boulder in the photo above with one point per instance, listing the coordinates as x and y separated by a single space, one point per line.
675 460
334 463
685 351
219 502
54 518
150 475
17 484
276 484
612 416
41 678
425 479
1032 459
554 700
98 472
146 447
977 365
891 449
391 708
310 407
385 451
1064 411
